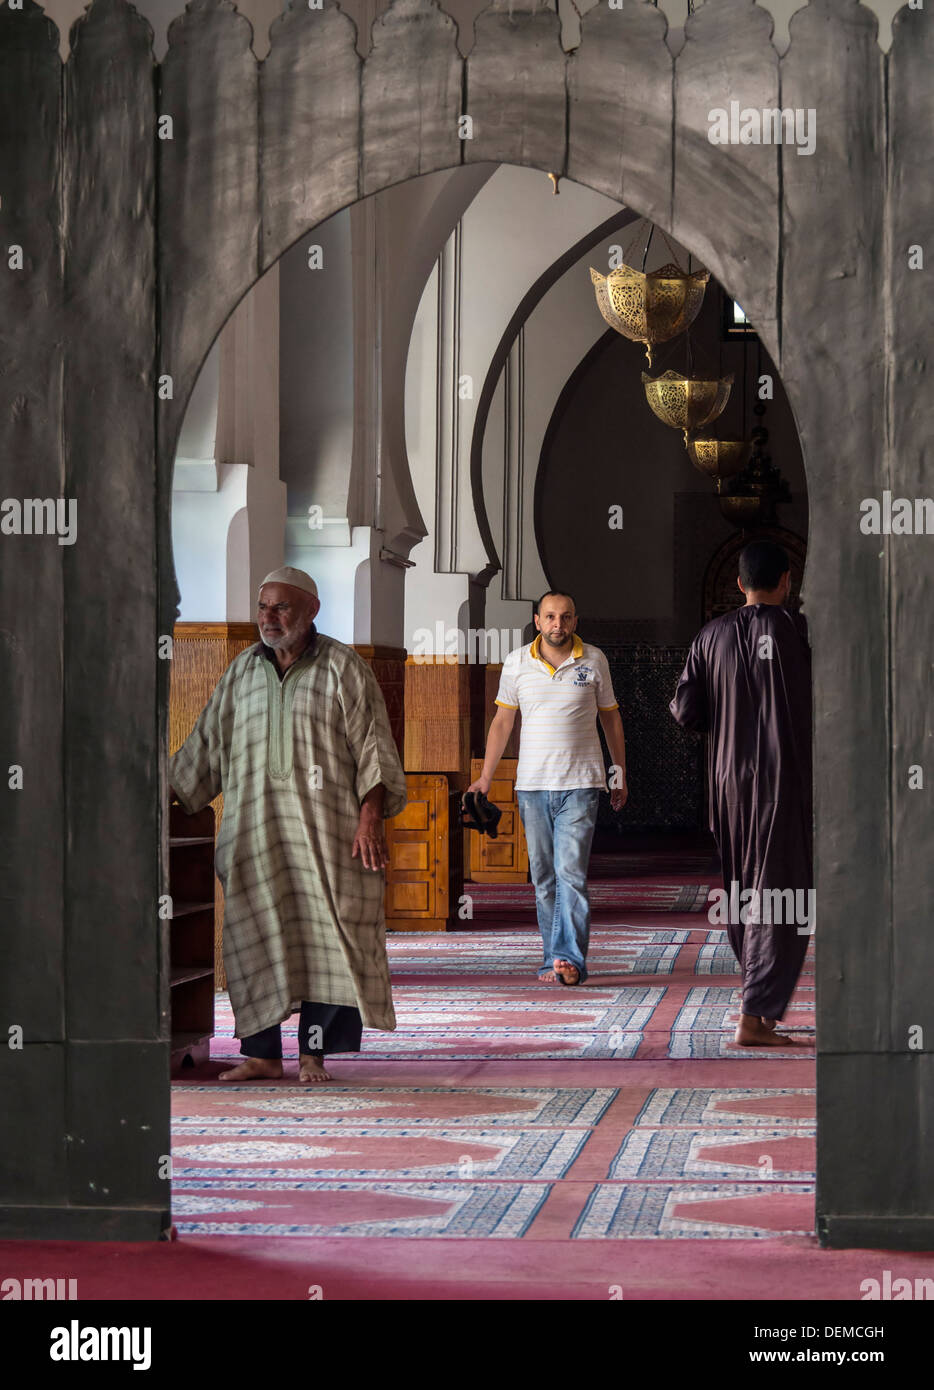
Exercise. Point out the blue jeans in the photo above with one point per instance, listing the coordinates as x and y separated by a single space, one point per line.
559 830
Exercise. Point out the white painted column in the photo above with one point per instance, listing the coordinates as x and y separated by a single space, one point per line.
228 519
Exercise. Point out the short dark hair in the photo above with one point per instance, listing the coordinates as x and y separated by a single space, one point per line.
554 593
762 564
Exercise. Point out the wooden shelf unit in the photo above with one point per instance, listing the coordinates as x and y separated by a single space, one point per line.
191 957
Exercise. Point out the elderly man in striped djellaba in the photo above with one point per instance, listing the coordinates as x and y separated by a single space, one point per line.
297 738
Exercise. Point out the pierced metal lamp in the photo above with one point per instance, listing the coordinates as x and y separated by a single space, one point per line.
685 402
741 510
717 459
755 491
650 308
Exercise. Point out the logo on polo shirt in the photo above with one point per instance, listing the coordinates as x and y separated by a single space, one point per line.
584 676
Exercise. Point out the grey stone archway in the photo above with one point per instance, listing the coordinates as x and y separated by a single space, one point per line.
134 249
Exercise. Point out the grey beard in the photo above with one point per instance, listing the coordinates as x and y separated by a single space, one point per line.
295 639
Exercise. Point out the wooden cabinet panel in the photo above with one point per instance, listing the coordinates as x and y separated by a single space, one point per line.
505 859
417 878
417 814
416 899
412 856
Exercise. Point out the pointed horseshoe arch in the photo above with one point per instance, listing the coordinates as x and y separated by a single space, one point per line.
144 245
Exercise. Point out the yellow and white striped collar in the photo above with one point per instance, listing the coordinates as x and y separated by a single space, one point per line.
577 650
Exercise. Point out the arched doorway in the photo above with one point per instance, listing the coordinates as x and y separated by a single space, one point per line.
255 159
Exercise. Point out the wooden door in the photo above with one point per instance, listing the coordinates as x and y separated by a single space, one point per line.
417 880
505 859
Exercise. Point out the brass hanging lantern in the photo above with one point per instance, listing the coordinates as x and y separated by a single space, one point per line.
740 510
753 495
718 459
686 402
650 308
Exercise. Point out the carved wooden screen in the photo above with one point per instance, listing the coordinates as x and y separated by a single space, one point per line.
664 763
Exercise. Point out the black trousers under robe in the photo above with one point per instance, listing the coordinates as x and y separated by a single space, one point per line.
341 1031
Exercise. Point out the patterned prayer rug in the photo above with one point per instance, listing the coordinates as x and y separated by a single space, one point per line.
700 1105
294 1152
412 1209
605 894
705 1022
729 1153
720 1045
427 1106
724 1211
611 865
686 1144
613 951
452 1045
536 1022
716 960
715 1007
716 957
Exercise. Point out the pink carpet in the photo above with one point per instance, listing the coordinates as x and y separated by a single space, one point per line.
564 1141
259 1269
617 1111
660 893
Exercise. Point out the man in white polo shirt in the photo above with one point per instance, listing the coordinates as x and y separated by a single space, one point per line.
561 685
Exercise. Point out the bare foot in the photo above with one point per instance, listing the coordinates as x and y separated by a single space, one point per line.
770 1023
254 1069
549 979
567 972
753 1032
311 1069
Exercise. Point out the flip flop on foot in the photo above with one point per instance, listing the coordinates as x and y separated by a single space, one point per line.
567 973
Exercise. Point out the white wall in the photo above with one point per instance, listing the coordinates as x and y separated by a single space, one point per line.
200 523
512 231
316 415
199 427
558 334
344 342
316 371
228 504
429 597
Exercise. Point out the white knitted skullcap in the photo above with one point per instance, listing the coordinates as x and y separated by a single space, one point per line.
297 578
